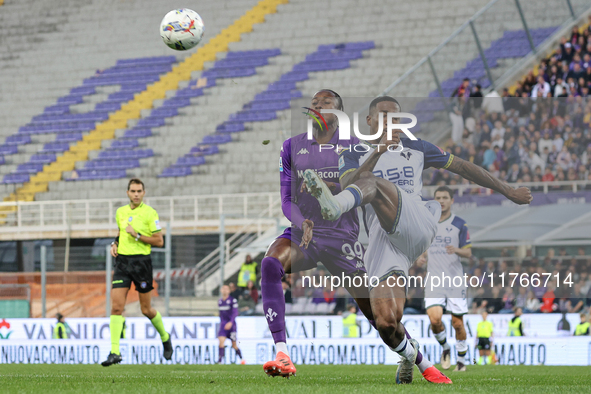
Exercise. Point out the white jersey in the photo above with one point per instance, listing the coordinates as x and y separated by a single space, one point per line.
452 231
394 251
404 169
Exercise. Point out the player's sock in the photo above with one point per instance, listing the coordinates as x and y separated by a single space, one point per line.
273 298
404 349
221 353
420 362
159 326
281 347
441 338
115 326
462 349
349 198
239 353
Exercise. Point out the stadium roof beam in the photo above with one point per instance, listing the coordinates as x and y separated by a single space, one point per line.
500 223
548 236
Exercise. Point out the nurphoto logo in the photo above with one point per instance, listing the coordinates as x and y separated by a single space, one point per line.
345 126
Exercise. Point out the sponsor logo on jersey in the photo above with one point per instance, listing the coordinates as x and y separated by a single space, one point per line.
341 162
321 174
281 164
303 151
406 155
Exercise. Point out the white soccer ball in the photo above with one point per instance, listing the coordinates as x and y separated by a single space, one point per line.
182 29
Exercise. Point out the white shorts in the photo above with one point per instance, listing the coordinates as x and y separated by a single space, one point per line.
395 253
456 306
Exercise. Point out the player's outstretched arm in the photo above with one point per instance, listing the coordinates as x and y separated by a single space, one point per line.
480 176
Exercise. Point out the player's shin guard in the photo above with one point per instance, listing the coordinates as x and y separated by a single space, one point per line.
442 339
462 349
221 353
239 353
273 298
420 362
116 327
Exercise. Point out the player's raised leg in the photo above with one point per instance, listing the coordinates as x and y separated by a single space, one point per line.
156 319
275 264
435 313
368 189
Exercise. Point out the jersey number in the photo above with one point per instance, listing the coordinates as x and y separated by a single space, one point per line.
355 252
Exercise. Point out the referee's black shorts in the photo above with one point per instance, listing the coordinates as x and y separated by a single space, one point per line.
136 269
484 343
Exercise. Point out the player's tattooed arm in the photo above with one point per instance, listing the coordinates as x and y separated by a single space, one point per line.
484 178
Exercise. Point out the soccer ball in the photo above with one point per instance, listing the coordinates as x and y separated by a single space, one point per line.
181 29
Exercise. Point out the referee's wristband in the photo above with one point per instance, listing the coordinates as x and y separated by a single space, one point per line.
137 238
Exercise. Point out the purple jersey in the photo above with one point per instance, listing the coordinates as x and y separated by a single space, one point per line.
297 155
333 243
228 310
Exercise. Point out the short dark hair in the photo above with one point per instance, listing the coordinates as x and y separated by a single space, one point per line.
135 181
341 105
374 103
445 189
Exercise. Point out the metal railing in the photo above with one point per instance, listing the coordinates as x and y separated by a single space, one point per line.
87 215
241 238
543 187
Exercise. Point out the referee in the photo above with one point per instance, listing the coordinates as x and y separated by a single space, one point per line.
139 230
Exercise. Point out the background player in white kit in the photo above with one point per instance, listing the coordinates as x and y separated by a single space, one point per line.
401 227
452 241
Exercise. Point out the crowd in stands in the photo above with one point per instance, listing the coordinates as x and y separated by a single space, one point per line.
543 132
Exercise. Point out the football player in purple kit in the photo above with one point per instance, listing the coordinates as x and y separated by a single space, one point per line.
310 238
401 227
228 307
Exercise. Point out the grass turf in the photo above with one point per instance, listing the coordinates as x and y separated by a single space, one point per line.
229 379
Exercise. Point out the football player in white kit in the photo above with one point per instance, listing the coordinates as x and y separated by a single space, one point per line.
401 226
451 242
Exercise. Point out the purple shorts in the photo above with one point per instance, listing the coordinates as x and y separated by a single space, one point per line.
338 250
231 333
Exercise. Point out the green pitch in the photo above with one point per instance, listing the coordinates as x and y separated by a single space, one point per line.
233 379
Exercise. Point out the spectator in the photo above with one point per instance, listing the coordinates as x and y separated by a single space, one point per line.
286 292
463 90
248 271
61 329
532 305
350 324
541 89
583 327
234 291
548 300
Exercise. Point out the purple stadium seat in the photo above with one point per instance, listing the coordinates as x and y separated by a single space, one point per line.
8 149
55 147
68 137
176 172
15 178
124 144
29 168
217 139
43 158
205 150
138 133
189 161
18 139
